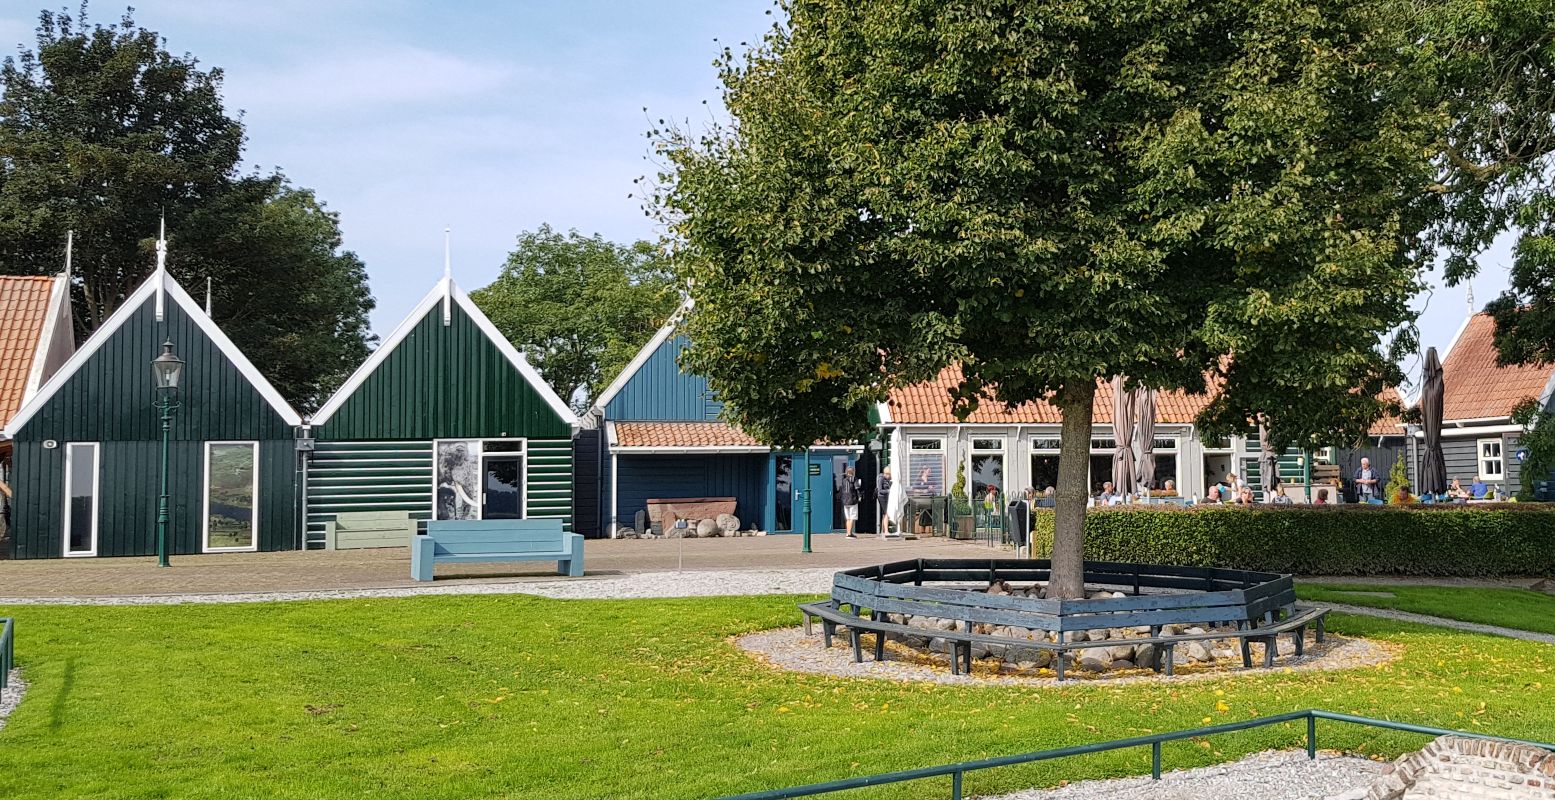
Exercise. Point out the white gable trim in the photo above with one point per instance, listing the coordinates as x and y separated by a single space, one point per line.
122 315
58 314
640 359
884 410
445 288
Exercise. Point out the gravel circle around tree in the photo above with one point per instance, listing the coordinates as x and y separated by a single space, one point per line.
11 695
791 649
1270 775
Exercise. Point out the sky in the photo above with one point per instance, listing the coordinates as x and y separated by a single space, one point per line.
490 118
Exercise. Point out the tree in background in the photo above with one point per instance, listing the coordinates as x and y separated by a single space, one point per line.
1052 194
103 131
1538 438
579 307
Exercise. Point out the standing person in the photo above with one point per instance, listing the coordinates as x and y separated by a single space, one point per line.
1366 482
883 501
850 498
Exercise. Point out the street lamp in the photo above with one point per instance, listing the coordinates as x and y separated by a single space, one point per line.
166 371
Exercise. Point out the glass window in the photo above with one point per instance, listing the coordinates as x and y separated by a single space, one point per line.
987 471
927 473
995 445
457 481
1491 465
1104 444
502 488
785 493
1101 471
231 473
926 444
1044 473
1165 444
1222 443
81 499
1166 470
1045 444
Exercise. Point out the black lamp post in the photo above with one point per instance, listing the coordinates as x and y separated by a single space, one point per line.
166 371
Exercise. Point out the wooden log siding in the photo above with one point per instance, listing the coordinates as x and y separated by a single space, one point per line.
397 476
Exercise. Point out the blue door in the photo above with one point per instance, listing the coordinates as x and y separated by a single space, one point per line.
825 478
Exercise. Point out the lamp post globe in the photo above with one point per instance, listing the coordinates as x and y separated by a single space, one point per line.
167 372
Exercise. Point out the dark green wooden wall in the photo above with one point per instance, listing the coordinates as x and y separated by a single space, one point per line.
109 401
444 382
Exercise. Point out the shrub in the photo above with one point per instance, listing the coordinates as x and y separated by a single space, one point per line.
1509 539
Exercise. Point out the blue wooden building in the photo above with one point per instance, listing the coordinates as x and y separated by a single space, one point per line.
661 438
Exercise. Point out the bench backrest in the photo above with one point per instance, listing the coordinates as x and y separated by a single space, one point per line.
475 537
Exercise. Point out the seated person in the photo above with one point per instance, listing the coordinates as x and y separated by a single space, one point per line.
1456 491
1478 489
1322 498
1108 496
1402 497
1245 496
1170 487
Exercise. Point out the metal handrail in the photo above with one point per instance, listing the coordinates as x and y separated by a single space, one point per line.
958 770
7 648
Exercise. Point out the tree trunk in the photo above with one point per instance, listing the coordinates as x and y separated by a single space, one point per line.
1074 460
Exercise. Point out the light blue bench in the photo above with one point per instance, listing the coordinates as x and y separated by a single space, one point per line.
471 541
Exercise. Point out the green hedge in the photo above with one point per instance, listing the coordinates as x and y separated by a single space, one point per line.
1502 539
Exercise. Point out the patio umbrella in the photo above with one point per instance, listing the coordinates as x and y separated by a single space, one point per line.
1433 472
1122 433
1268 463
1144 416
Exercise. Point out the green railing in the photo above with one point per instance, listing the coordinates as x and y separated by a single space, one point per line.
957 772
7 648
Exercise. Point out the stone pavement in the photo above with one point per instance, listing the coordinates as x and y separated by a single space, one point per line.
318 570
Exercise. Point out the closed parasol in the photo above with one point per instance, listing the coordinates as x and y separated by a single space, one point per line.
1122 433
1144 417
1433 469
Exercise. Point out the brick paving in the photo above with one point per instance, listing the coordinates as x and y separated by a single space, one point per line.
318 570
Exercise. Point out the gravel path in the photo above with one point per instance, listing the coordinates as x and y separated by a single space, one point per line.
640 585
1270 775
11 694
789 648
1423 619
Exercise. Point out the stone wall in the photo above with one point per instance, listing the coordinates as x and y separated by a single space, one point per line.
1461 767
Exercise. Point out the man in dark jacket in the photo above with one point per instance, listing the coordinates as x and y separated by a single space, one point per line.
850 498
883 501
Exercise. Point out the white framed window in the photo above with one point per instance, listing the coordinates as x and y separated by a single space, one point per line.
231 509
1224 444
81 499
1492 467
985 467
479 479
926 467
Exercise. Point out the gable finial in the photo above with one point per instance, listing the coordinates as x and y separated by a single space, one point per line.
448 275
161 273
70 246
1471 300
208 296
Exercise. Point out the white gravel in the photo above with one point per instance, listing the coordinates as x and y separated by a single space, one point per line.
1270 775
11 695
640 585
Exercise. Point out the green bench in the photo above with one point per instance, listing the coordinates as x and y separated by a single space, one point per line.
360 529
487 540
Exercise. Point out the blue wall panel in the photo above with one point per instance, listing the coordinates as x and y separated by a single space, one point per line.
742 477
660 391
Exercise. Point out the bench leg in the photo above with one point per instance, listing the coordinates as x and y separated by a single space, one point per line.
1247 654
807 624
1058 662
1300 639
1320 630
422 549
828 630
1268 652
879 639
955 657
1171 659
968 657
858 650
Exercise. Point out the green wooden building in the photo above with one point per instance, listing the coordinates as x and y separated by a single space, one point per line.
87 446
446 420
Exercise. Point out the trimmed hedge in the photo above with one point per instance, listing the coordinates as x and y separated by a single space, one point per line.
1480 540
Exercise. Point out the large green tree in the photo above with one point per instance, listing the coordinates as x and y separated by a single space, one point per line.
1051 193
104 132
579 306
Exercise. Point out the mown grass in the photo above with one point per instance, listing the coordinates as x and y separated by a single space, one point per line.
1509 608
455 697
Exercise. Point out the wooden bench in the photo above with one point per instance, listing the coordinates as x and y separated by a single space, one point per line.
487 540
361 529
1262 610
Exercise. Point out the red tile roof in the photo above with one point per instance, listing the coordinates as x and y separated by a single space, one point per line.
24 311
681 434
1474 387
930 403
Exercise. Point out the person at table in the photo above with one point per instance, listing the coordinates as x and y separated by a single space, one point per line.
1108 496
1322 498
1456 491
1366 481
925 485
1478 489
1244 496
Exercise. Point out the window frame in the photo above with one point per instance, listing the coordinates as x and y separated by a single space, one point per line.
97 510
938 451
480 465
205 500
1482 459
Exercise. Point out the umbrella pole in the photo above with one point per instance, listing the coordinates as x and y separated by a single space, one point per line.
1306 473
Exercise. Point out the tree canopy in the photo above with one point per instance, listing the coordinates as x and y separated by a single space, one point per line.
580 307
1051 193
103 132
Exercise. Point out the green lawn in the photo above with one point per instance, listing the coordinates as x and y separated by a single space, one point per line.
1510 608
455 697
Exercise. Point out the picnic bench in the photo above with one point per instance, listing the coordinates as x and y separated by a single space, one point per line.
1261 605
362 529
488 540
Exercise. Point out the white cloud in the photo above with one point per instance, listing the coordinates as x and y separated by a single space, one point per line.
386 78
